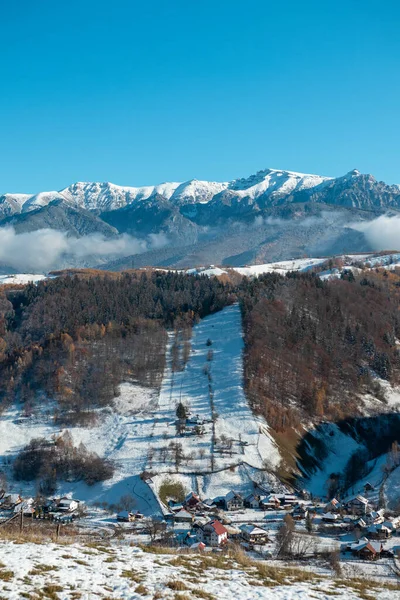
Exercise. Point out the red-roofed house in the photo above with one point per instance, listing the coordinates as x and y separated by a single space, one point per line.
213 533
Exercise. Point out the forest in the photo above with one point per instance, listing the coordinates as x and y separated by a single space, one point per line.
74 338
312 347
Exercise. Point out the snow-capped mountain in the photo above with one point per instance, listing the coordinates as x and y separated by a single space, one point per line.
270 186
270 216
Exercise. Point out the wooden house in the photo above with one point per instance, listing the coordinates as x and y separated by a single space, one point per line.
253 534
367 550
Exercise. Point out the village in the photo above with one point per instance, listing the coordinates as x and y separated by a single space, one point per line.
353 528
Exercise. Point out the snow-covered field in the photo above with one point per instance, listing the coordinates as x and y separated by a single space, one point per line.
21 278
126 572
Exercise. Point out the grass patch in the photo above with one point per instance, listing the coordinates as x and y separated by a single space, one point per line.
40 569
6 575
141 589
203 594
51 591
176 585
132 575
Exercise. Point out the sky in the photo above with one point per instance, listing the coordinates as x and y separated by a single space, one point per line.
144 92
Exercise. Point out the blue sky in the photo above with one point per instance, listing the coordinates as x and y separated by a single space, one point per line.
142 92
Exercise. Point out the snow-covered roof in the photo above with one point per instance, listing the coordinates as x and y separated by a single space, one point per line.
231 495
253 530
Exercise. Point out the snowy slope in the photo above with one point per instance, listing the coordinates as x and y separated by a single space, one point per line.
235 419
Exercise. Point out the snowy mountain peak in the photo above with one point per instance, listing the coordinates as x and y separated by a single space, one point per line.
267 187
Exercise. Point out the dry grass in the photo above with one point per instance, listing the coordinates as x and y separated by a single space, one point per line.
140 589
176 585
41 569
132 575
203 594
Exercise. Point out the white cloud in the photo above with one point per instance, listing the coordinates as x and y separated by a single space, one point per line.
382 233
44 249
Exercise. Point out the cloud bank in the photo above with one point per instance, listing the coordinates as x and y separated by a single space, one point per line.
382 233
45 249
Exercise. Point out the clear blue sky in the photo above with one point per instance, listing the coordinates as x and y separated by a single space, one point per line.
142 92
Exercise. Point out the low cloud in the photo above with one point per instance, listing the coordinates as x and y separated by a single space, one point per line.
45 249
382 233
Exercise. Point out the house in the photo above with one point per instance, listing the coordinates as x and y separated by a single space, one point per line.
359 524
197 546
287 500
300 511
375 517
67 505
206 505
10 501
233 501
25 507
269 503
368 487
213 533
379 532
254 534
333 506
329 517
125 517
357 505
367 550
183 516
191 500
252 501
393 523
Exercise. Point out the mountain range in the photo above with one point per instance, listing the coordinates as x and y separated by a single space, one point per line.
271 215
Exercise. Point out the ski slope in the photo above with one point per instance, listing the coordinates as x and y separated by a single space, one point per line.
252 444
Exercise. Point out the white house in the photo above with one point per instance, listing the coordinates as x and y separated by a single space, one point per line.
67 504
213 533
233 501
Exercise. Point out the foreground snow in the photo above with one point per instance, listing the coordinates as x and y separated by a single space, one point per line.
125 572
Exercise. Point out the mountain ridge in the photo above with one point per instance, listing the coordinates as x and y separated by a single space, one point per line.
272 185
